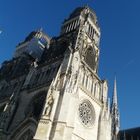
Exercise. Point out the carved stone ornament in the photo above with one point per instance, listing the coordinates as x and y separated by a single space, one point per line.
86 113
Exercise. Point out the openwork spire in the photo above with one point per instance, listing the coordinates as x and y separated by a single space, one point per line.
115 113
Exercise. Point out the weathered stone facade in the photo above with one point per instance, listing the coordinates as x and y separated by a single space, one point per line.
52 91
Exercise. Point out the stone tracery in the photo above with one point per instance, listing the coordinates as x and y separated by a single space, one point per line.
86 113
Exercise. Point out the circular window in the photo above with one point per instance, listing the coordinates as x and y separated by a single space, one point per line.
86 113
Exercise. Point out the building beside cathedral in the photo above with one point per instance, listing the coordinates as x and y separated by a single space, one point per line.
130 134
51 90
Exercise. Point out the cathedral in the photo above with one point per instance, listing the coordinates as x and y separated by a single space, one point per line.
51 90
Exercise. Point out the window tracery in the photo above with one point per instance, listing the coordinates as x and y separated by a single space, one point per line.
90 58
86 113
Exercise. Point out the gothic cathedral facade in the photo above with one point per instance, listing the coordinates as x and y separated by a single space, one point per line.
50 89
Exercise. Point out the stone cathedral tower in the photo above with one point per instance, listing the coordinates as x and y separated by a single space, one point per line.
76 104
51 90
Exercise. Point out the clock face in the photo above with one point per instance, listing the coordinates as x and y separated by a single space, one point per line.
86 113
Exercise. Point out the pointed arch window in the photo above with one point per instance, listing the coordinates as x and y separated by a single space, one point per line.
90 57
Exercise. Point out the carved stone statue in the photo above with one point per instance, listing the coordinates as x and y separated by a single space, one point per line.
49 104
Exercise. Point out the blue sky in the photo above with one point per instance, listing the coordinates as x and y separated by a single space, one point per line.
120 40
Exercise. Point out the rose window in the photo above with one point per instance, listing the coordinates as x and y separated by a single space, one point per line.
86 113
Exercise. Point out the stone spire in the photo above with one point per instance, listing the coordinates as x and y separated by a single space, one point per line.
115 102
115 113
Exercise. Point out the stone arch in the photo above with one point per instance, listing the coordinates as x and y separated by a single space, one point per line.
25 131
36 105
